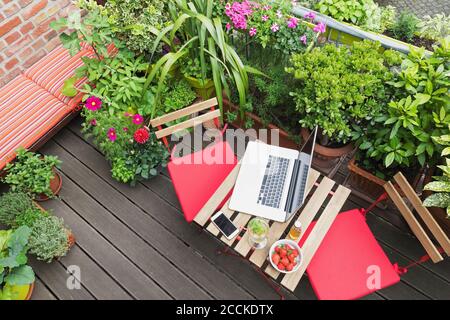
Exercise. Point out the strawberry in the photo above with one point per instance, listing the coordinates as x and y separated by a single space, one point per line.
285 261
283 253
291 257
280 266
290 266
295 252
276 258
277 249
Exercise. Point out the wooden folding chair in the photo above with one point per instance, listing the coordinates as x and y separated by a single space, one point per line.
440 236
195 181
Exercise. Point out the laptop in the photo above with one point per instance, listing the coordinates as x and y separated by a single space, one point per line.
272 180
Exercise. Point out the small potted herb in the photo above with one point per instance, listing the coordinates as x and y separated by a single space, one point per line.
16 277
34 174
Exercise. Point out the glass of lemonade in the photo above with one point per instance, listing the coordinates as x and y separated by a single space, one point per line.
258 230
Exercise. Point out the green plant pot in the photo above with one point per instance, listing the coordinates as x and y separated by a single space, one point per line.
22 292
204 90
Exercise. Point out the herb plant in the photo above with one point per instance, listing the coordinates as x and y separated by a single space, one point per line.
406 26
436 27
12 205
48 238
14 270
31 173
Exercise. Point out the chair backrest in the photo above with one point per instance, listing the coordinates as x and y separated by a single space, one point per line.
201 106
424 214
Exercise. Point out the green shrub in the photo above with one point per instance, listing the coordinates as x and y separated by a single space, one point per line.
406 26
134 20
349 10
340 87
29 217
435 27
31 173
49 238
179 95
12 205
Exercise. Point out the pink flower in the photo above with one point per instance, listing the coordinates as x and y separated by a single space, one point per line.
279 14
320 28
93 103
265 17
310 15
93 122
141 136
112 134
228 26
127 114
292 23
125 129
252 32
275 27
267 8
303 39
138 119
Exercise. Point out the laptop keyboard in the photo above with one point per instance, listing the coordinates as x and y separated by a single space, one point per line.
302 184
273 182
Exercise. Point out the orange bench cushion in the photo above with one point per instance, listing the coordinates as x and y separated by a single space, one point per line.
27 113
51 72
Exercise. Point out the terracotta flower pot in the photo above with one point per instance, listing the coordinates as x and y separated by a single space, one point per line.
55 186
30 292
326 157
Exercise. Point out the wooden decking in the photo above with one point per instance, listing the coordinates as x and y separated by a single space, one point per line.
133 243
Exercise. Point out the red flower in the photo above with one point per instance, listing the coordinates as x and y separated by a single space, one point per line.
141 136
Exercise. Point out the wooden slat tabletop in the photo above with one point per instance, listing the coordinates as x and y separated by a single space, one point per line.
319 193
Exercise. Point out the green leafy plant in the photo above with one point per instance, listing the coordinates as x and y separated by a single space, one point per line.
379 19
31 173
402 134
12 205
441 185
200 36
179 95
344 10
435 27
14 270
30 216
406 26
122 172
133 21
339 87
49 238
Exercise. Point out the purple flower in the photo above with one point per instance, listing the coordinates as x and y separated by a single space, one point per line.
303 39
112 134
275 27
265 17
292 23
320 28
93 103
138 119
252 32
310 15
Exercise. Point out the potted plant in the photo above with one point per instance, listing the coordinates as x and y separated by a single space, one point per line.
34 174
339 89
12 205
16 277
401 137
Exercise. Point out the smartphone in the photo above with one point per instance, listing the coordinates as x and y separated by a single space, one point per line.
228 229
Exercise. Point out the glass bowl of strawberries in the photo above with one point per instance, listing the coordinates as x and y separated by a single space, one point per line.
285 256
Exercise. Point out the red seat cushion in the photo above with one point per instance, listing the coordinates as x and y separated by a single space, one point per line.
342 266
27 112
195 181
51 72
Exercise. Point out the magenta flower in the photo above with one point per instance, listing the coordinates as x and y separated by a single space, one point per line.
138 119
93 122
93 103
320 28
112 134
275 27
252 32
228 26
310 15
125 129
265 17
303 39
292 23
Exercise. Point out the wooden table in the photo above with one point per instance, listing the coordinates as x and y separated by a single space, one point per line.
325 199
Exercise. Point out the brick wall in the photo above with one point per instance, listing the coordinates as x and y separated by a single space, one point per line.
25 35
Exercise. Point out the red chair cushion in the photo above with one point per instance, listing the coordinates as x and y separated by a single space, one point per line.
340 269
27 112
51 72
195 183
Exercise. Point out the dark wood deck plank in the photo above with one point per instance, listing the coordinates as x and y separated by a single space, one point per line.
114 263
215 282
41 292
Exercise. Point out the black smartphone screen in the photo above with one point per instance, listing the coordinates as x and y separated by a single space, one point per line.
225 225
